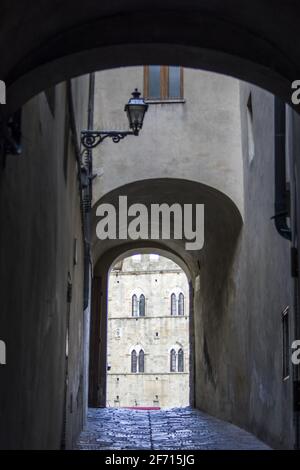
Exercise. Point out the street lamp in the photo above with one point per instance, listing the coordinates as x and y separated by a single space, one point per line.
135 110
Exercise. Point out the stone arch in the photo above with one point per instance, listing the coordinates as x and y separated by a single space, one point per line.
137 347
65 42
223 225
97 391
176 346
222 215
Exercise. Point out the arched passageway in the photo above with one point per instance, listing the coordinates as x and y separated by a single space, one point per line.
99 319
225 317
149 357
66 39
256 42
222 225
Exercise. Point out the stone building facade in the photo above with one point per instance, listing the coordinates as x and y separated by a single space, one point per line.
148 333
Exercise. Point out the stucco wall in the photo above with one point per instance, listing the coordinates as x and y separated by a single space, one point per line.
238 326
40 218
198 139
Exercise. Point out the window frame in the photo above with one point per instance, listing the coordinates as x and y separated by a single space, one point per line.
173 361
180 360
134 306
142 306
173 305
141 362
164 85
134 362
181 304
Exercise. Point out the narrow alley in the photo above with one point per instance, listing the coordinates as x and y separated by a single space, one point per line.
172 429
149 226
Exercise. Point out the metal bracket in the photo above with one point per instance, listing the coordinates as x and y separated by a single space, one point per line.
91 139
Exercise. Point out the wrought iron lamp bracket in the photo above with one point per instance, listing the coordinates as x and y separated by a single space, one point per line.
91 139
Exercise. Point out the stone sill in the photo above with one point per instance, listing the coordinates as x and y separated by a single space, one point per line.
175 101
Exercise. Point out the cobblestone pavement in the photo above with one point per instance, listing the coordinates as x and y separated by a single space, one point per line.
182 428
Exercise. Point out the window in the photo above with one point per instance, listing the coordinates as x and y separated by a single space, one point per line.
177 309
138 305
163 82
180 361
181 304
154 257
173 360
133 362
137 258
285 344
134 306
142 305
173 304
141 361
137 362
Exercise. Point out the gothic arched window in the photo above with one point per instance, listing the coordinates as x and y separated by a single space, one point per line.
141 361
173 361
142 305
134 306
173 304
181 304
180 361
133 362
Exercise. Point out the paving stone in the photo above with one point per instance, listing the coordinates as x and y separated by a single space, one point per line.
171 429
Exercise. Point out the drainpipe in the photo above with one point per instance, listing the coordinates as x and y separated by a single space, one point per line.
282 206
88 167
84 161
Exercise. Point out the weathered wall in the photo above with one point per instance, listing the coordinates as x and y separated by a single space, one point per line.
242 294
148 390
241 278
40 218
156 333
187 152
197 139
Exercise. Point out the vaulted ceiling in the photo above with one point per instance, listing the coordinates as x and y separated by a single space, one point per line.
43 42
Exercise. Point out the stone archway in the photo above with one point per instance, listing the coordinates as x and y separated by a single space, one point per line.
99 316
44 46
222 226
